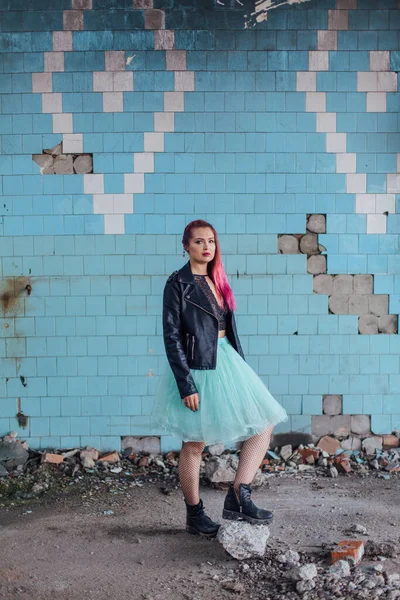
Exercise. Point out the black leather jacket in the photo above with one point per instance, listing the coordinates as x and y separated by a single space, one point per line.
190 329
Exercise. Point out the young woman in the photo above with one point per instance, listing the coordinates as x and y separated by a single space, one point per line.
208 393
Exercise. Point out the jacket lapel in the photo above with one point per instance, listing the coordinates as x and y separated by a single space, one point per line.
194 293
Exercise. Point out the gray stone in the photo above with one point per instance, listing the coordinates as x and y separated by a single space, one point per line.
388 324
339 304
338 425
316 224
340 568
13 454
83 164
43 160
290 558
351 443
221 469
216 449
323 284
316 264
286 452
358 305
305 572
305 586
379 304
242 540
63 165
3 470
368 324
343 284
370 444
361 424
309 244
55 151
288 244
363 284
332 404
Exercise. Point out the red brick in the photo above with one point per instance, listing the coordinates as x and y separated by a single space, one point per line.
111 457
390 441
348 549
55 459
328 444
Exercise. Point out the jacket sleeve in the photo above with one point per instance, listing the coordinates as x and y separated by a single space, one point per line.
240 350
173 340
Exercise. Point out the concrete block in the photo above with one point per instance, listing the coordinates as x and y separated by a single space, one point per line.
332 404
358 305
388 324
368 324
343 284
316 224
378 304
288 244
338 425
309 244
363 284
339 304
361 424
323 284
316 264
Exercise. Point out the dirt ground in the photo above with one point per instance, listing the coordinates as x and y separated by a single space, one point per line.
66 548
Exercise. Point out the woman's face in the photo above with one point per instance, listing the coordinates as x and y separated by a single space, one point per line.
201 246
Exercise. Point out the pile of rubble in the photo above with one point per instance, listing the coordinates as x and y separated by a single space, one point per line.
326 459
289 575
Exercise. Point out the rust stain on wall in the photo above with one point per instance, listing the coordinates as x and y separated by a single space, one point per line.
11 291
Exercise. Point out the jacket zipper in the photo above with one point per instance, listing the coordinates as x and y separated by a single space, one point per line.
210 313
192 347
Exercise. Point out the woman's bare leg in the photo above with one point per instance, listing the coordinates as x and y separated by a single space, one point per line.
189 470
252 453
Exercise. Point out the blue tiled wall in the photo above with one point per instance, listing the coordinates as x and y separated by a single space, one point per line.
192 110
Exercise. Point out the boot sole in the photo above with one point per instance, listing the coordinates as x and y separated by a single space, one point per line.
231 515
194 531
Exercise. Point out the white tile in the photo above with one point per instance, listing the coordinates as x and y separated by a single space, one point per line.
164 39
387 82
62 123
114 224
306 81
379 60
356 183
376 223
316 102
327 40
52 103
123 204
318 60
346 163
164 122
42 82
386 203
153 142
73 143
103 82
176 60
93 183
365 203
103 203
336 142
376 101
338 20
113 102
393 183
62 41
133 183
184 81
143 162
367 81
115 60
54 62
123 82
174 101
326 122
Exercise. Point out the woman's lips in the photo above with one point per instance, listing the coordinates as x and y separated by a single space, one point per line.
206 254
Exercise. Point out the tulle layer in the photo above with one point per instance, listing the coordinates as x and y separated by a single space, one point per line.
235 404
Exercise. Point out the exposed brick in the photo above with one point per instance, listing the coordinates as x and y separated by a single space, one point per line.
154 19
338 425
332 405
55 459
361 424
363 284
388 324
328 444
348 549
339 304
378 304
316 264
343 284
111 457
358 305
390 441
368 324
288 244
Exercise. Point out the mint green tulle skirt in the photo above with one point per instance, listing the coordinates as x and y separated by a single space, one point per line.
235 404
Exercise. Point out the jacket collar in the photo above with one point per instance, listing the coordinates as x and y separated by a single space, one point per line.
185 274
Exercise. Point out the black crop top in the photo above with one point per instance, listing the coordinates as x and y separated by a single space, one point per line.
219 312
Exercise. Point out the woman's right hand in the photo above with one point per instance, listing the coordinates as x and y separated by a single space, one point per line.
192 402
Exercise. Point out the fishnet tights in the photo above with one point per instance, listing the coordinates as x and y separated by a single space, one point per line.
252 453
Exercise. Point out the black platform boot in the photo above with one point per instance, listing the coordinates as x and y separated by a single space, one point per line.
237 508
198 523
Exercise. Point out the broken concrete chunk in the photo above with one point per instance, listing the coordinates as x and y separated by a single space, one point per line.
63 165
83 164
110 457
309 244
371 444
88 457
286 452
48 457
332 404
242 540
288 244
316 223
316 264
341 568
55 151
43 160
221 469
216 449
12 454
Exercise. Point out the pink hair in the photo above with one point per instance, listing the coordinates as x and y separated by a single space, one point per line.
216 270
